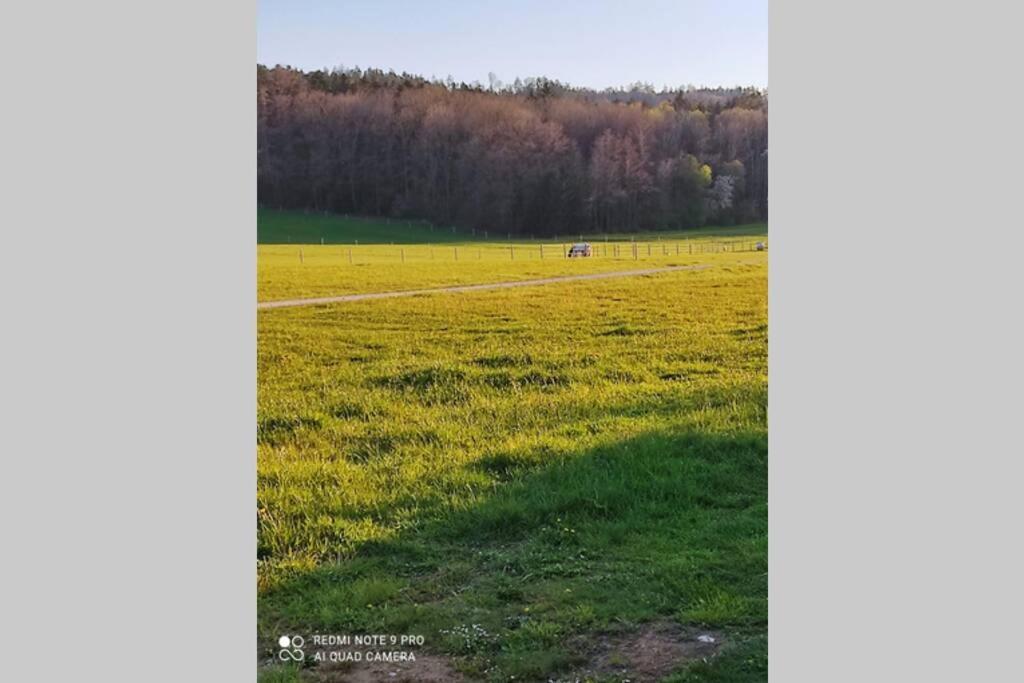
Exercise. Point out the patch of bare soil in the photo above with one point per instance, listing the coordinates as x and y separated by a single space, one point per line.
646 655
426 669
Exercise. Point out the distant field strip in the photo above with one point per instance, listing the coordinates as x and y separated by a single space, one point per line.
470 288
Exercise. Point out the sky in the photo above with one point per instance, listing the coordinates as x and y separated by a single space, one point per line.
596 44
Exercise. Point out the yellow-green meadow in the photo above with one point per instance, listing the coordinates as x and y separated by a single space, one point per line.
514 474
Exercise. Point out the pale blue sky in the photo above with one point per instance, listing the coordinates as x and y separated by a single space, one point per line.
597 44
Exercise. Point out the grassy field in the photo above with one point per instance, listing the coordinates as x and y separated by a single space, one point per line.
287 271
297 227
527 478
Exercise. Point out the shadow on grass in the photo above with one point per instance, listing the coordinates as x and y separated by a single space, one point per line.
668 525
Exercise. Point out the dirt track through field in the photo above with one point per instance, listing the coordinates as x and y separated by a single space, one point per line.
470 288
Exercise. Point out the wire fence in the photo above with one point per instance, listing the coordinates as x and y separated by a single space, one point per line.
426 253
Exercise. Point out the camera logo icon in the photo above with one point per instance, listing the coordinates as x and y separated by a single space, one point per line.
291 648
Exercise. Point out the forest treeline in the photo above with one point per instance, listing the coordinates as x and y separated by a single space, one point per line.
534 157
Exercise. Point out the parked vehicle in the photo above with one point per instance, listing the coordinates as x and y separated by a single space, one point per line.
579 249
760 246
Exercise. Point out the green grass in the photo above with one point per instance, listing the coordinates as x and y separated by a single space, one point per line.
505 471
274 226
326 270
280 674
310 270
298 227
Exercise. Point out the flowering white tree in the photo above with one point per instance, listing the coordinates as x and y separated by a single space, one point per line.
720 194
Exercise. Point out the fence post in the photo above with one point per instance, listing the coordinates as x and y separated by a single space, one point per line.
511 253
456 253
300 255
403 255
350 256
542 252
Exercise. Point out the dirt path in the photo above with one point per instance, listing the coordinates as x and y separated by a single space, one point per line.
470 288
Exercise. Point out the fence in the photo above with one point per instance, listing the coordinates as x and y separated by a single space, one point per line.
357 254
